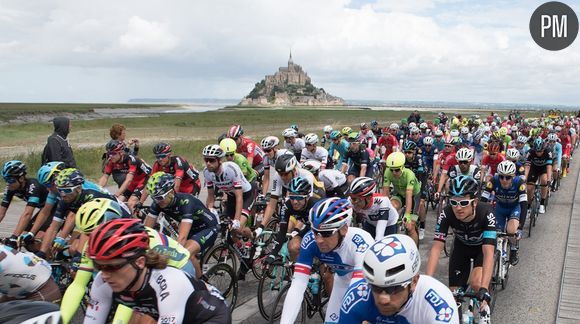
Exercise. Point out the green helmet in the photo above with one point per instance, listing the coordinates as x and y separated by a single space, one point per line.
160 183
95 212
69 178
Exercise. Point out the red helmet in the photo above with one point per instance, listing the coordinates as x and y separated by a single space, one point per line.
493 147
119 238
568 124
235 131
386 130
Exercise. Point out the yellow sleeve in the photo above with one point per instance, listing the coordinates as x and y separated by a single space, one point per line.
74 294
122 314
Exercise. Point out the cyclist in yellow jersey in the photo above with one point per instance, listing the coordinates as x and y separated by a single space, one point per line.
89 216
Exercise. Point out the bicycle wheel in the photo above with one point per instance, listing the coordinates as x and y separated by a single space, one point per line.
494 279
221 253
223 277
274 279
278 304
448 246
506 269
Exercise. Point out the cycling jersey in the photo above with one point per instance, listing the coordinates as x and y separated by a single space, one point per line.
247 170
357 159
380 215
84 196
341 148
180 168
473 171
430 302
189 209
21 273
557 154
407 180
295 148
539 162
511 203
492 163
429 158
33 193
251 149
320 154
227 179
416 165
480 230
566 141
131 165
389 142
276 183
168 295
346 261
331 179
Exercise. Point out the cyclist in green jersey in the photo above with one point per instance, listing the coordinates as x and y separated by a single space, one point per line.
406 191
229 146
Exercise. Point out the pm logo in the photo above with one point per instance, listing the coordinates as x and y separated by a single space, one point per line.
554 26
387 248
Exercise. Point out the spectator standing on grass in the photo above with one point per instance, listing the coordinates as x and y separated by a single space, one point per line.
57 146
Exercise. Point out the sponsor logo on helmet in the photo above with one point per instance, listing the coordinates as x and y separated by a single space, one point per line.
388 248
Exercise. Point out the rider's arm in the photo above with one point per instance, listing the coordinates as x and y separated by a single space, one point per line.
440 235
2 212
103 180
41 217
24 220
488 247
266 180
293 300
101 295
442 181
184 228
125 185
74 294
239 195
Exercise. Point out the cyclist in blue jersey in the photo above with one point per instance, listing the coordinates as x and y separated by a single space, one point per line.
340 145
428 154
512 154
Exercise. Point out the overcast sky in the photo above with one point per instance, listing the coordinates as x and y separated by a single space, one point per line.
448 50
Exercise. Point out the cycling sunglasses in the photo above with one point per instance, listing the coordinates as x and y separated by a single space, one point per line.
230 154
462 203
267 150
463 162
66 191
11 180
161 197
161 156
325 234
391 290
506 177
111 267
395 169
210 160
297 197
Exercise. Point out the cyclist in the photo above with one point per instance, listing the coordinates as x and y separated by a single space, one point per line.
28 312
336 245
566 142
334 181
229 146
270 146
137 277
375 128
198 226
314 152
428 153
137 171
414 162
93 214
522 147
388 142
556 149
380 218
248 148
464 166
439 141
406 191
359 161
538 167
293 143
186 176
512 154
491 160
29 190
368 136
393 291
338 146
444 158
511 202
23 275
326 137
475 237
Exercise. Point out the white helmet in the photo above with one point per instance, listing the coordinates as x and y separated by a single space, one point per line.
522 139
311 139
454 133
415 130
290 132
464 130
423 125
394 126
558 128
464 154
269 142
512 153
486 129
438 132
412 124
213 150
493 124
327 129
514 128
552 137
392 261
506 168
312 165
428 140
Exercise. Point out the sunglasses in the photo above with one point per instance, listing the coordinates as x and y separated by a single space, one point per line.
448 145
462 203
310 144
110 267
396 170
230 154
297 197
505 177
210 160
392 290
288 138
325 234
463 162
267 150
66 191
409 152
161 156
11 180
428 145
161 197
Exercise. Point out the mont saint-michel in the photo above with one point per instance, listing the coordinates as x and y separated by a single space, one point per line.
289 86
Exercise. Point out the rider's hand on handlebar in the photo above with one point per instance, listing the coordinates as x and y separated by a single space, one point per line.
236 224
59 243
26 238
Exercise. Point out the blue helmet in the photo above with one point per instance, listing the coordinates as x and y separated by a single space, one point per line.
330 213
463 185
538 144
47 172
300 186
13 169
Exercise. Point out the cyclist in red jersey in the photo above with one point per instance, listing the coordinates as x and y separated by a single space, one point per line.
439 164
566 142
491 160
388 140
186 176
248 148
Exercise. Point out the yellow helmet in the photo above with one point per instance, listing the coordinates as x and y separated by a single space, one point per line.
95 212
228 145
347 130
396 160
503 131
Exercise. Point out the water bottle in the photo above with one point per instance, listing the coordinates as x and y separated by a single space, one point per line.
258 251
314 283
247 248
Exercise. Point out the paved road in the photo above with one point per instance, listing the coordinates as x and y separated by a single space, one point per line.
534 284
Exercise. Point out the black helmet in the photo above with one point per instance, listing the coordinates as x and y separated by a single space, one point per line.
300 186
26 311
161 148
463 186
115 146
286 163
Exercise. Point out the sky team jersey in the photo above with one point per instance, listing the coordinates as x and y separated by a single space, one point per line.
33 193
320 154
539 162
227 179
21 273
480 230
180 168
407 180
432 302
359 157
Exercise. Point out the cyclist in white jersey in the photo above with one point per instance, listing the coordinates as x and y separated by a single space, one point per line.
393 291
314 152
335 244
334 181
292 142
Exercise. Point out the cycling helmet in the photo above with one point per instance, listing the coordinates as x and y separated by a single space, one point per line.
69 178
29 312
294 127
502 131
412 125
327 129
392 261
285 163
335 134
235 131
438 133
409 146
463 185
506 168
118 238
423 126
269 142
394 126
538 144
385 131
228 145
290 132
374 123
404 120
553 137
95 212
464 154
464 130
347 130
47 172
514 128
353 137
449 139
160 183
161 148
522 139
364 126
312 165
428 140
300 186
311 139
454 133
330 213
415 130
513 154
114 146
396 160
362 187
13 169
213 150
558 128
493 147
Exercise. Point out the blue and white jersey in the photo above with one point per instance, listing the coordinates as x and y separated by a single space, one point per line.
509 197
431 302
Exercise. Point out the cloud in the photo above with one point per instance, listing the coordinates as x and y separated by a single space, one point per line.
145 37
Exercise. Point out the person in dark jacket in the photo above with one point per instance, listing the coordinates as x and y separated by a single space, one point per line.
57 146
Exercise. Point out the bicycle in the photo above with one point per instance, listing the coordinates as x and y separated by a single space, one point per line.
165 225
275 277
467 302
502 265
223 277
534 209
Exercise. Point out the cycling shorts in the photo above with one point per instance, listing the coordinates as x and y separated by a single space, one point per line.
205 238
460 262
248 200
504 214
535 174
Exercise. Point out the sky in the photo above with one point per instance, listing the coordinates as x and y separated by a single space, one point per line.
419 50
